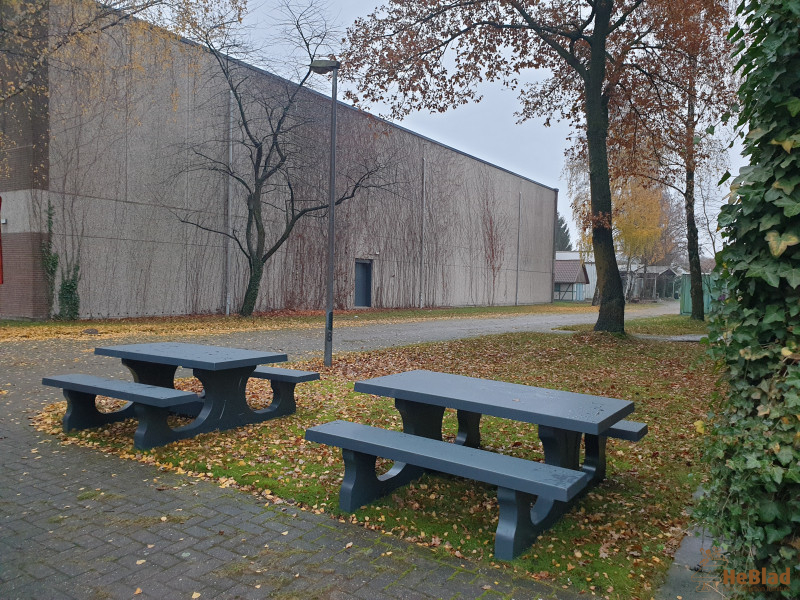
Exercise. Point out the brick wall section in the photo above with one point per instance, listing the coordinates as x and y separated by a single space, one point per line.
23 292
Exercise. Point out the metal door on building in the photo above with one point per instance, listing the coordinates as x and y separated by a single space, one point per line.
363 283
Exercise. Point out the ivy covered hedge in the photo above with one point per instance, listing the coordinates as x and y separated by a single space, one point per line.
752 506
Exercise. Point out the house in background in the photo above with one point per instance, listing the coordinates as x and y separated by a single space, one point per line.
570 280
654 283
587 258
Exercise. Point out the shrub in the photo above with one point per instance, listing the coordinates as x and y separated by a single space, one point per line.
752 505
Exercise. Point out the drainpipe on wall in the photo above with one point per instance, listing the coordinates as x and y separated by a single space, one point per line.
422 236
226 288
553 262
519 234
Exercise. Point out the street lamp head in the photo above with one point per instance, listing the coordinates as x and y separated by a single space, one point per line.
324 66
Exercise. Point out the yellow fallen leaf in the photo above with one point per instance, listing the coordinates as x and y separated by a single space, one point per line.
348 545
141 561
163 518
196 595
578 554
700 426
137 592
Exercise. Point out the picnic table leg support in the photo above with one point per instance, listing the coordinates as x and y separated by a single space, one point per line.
361 485
594 462
225 401
420 419
151 373
153 429
561 447
469 429
516 530
162 376
283 402
82 412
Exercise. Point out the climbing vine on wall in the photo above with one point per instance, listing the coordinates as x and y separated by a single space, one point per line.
752 505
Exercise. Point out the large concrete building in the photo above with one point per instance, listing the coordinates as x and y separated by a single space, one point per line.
112 144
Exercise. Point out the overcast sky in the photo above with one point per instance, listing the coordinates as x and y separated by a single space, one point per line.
487 130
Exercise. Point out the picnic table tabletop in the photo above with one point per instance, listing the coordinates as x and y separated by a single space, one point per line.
553 408
192 356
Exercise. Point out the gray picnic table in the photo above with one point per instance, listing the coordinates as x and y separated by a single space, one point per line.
152 396
222 371
563 419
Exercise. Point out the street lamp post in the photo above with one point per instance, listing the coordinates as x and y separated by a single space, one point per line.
322 67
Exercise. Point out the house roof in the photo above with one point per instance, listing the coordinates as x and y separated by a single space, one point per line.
570 271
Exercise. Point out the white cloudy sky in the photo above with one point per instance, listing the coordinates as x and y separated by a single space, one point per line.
487 130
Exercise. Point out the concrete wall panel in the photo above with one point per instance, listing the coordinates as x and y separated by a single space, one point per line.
440 227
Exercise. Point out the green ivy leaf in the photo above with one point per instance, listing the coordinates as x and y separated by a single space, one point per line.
752 462
774 314
790 206
777 474
775 534
793 105
786 455
792 276
787 185
768 511
769 221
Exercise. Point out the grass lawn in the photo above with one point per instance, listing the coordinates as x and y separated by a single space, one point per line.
663 325
617 542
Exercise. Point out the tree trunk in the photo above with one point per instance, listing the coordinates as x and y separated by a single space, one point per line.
692 244
611 316
253 285
695 274
256 240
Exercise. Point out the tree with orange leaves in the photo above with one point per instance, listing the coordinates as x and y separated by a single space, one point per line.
418 54
663 116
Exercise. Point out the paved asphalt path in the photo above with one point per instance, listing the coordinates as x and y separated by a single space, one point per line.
78 524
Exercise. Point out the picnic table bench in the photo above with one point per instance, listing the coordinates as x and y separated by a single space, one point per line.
563 419
283 382
224 373
150 404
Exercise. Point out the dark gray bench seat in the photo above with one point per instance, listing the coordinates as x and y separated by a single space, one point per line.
283 382
631 431
149 404
517 480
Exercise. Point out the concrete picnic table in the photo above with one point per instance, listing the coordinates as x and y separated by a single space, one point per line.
563 419
222 371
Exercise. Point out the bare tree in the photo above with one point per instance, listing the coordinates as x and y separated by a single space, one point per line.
278 143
